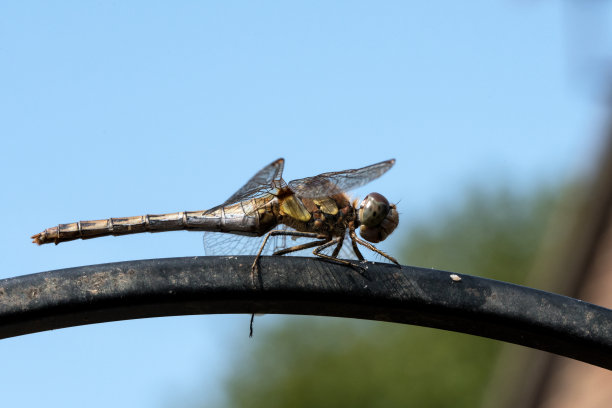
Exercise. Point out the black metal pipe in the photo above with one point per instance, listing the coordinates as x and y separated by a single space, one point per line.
293 285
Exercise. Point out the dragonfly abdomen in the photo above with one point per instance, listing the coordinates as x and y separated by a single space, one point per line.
184 220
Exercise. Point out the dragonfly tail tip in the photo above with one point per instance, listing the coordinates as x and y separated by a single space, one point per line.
36 239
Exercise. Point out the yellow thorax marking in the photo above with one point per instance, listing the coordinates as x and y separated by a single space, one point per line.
327 205
295 209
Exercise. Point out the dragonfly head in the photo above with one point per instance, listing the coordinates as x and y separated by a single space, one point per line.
377 218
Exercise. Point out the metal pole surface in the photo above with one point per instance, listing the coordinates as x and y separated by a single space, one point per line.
295 285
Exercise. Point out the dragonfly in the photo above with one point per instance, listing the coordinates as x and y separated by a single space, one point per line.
317 208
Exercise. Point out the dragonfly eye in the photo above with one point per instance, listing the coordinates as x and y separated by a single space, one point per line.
373 210
377 217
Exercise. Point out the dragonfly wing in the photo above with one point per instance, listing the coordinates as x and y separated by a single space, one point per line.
346 252
223 243
254 194
328 184
264 179
264 182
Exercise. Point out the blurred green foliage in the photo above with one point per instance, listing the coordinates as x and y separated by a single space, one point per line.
319 362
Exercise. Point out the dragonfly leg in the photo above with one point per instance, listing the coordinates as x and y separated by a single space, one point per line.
338 247
371 247
280 232
300 247
334 241
355 247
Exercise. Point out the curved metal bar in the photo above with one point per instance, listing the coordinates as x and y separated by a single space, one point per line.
293 285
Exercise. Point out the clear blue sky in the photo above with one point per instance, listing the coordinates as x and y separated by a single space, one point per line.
116 109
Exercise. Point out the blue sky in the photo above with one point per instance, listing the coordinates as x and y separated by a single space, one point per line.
118 109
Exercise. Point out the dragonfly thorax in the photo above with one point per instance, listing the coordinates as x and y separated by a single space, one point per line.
377 218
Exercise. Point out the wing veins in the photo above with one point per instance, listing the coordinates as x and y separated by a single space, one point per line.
264 182
327 184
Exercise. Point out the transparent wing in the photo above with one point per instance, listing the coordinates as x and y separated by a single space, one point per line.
346 252
264 182
251 196
327 184
223 244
